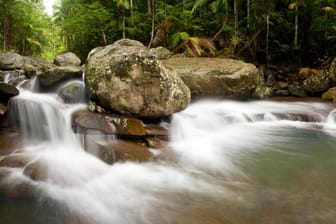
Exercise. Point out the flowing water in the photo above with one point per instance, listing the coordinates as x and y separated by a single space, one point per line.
227 162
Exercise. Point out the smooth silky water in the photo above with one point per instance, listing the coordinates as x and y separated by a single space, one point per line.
227 162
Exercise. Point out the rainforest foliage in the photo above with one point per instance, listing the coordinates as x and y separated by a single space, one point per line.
300 31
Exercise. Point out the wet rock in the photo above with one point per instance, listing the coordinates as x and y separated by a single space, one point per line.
157 132
10 141
3 109
161 52
15 160
36 170
216 76
9 61
7 91
73 93
86 122
13 77
29 70
127 78
57 75
120 150
330 94
156 143
67 59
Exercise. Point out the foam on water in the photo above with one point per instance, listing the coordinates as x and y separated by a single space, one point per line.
203 171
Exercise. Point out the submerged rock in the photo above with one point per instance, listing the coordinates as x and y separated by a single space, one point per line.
127 78
67 59
120 150
216 76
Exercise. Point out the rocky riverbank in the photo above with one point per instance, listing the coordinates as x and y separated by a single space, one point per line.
130 89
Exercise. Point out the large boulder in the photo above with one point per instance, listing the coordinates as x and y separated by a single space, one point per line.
9 61
216 76
127 78
66 59
57 75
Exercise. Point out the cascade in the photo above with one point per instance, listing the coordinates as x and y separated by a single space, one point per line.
227 162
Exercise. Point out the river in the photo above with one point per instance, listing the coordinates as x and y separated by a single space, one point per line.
256 162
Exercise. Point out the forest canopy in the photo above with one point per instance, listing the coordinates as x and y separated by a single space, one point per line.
300 31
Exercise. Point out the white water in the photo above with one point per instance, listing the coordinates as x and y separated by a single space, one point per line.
201 179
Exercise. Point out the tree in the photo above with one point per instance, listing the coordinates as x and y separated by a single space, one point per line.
123 5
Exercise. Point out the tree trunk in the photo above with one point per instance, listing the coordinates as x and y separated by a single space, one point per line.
149 6
224 23
235 14
296 26
153 22
123 24
104 37
267 38
132 12
184 8
248 13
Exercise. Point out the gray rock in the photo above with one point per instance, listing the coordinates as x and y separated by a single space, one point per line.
12 77
262 92
296 90
314 84
9 61
73 93
216 76
35 66
160 52
7 91
127 78
332 71
57 75
67 59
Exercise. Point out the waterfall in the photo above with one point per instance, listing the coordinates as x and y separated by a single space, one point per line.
42 117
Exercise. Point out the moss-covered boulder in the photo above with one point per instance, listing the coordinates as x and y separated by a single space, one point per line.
127 78
330 94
